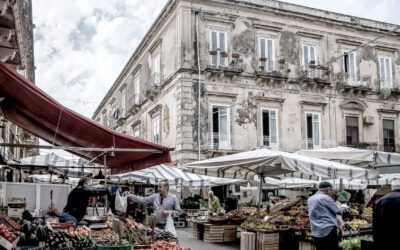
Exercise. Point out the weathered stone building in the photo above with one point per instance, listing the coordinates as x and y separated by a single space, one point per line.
16 50
272 74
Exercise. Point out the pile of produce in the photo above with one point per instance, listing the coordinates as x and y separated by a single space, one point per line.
80 238
165 245
33 232
15 225
259 224
106 236
7 233
189 204
355 225
354 243
57 240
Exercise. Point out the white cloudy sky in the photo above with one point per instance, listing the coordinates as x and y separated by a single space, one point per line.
81 46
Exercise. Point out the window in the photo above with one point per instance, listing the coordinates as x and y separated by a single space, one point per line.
313 130
388 136
155 130
136 131
385 72
350 66
266 54
123 102
104 119
156 67
136 88
310 59
352 138
218 48
269 128
220 127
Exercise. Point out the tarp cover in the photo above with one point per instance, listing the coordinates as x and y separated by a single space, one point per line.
174 175
33 110
51 162
267 162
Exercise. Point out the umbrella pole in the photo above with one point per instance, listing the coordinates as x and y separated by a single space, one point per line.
341 184
261 176
105 179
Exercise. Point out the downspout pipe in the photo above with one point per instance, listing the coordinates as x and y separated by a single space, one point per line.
199 87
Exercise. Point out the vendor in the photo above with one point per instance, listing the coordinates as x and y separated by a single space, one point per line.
78 201
213 203
163 202
231 202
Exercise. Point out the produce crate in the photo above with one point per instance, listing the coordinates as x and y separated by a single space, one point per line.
230 233
247 241
213 233
267 241
118 247
142 247
8 245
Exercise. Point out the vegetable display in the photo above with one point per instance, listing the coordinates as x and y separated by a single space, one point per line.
81 238
165 245
7 233
354 243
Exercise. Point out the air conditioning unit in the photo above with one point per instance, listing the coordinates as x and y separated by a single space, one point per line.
368 120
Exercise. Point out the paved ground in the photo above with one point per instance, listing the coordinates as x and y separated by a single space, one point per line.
186 239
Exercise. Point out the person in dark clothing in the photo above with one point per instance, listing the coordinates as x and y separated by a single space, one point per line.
113 192
78 201
231 202
386 218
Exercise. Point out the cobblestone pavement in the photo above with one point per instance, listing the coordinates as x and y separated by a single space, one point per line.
187 240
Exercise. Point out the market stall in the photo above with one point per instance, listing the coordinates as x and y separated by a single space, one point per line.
50 163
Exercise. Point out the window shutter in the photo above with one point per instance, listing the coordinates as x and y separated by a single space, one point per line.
273 126
305 55
316 135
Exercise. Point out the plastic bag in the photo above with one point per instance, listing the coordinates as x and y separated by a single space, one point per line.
121 203
169 226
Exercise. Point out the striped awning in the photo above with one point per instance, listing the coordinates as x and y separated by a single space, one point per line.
267 162
174 175
52 163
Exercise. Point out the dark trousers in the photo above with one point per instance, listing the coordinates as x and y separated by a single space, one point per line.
161 226
329 242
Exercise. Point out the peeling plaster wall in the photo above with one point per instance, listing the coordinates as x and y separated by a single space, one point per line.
246 94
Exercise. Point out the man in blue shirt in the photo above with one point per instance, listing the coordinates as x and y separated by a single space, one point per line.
322 212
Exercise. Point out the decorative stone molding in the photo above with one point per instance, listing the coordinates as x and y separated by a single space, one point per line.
353 105
263 26
348 42
155 110
310 35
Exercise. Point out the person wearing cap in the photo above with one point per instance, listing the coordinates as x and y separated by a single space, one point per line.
386 219
322 212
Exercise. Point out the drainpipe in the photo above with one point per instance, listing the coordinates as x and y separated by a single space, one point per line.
198 86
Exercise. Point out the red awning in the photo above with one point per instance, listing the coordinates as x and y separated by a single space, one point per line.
30 108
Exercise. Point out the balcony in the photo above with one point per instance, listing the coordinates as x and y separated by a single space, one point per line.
353 83
272 71
314 75
136 104
388 87
155 86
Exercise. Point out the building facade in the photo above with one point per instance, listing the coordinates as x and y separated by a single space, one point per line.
16 50
220 76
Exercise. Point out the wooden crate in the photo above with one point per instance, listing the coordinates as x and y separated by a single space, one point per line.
267 241
230 233
247 241
213 233
304 245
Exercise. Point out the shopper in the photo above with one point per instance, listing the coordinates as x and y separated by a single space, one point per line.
231 202
213 203
78 201
322 212
163 202
386 219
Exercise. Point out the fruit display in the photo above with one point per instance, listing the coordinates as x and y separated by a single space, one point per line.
165 245
15 225
355 225
259 224
354 243
189 204
57 240
80 237
7 233
105 236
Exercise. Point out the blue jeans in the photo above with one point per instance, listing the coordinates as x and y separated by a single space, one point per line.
64 217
